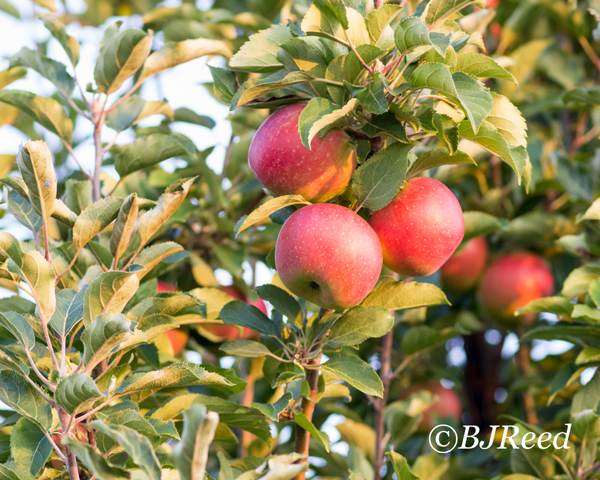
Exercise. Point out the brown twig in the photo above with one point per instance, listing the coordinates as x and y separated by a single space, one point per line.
589 51
308 408
386 353
523 365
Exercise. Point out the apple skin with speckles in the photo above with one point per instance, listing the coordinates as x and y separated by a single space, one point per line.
328 255
464 269
284 166
420 228
511 282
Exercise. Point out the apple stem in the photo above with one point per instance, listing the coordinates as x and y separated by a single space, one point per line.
523 365
386 353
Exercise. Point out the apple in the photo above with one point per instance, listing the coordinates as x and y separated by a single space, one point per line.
420 228
512 282
447 405
177 336
285 166
463 270
229 332
328 255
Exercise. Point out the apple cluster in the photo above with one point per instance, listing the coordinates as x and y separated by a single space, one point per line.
327 253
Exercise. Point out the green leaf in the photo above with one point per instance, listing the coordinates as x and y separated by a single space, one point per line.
150 257
78 194
40 277
437 11
258 87
186 115
323 22
191 454
592 213
94 219
173 54
23 211
319 114
46 111
175 375
401 468
480 65
337 8
151 150
358 324
378 25
355 372
11 75
259 53
245 348
29 447
14 471
76 393
379 179
123 228
305 54
474 98
578 281
436 76
95 462
50 69
386 125
24 399
64 214
281 300
411 33
437 157
556 305
137 446
423 337
508 121
102 335
122 53
587 397
126 113
58 31
35 164
372 98
109 293
302 420
168 203
493 141
9 8
398 295
562 331
594 292
19 327
271 206
478 224
240 313
224 83
273 410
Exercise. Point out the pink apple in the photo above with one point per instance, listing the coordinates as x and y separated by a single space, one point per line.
285 166
512 282
462 272
328 255
420 228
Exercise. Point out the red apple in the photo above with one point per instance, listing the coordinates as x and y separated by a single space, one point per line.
284 166
447 405
511 283
165 287
328 255
462 272
229 332
177 336
420 228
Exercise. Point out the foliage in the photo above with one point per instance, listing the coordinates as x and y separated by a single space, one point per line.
94 384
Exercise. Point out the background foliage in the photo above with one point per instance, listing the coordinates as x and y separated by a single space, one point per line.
157 406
